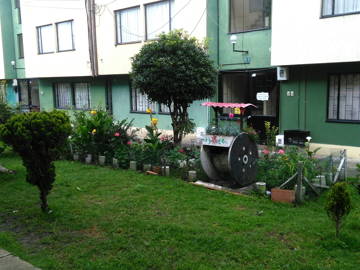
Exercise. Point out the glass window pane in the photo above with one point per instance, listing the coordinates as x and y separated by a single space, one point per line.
128 26
247 15
65 36
63 95
82 96
46 39
157 19
141 102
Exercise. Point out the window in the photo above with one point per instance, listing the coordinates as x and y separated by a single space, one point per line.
17 6
248 15
72 95
344 97
158 18
65 39
20 46
340 7
45 37
127 25
140 102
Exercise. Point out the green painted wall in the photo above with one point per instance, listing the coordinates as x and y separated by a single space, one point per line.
258 43
20 63
7 30
121 108
307 109
97 91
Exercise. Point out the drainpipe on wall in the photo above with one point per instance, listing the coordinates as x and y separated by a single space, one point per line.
91 23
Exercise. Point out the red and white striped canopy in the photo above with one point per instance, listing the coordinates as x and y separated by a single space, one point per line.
227 105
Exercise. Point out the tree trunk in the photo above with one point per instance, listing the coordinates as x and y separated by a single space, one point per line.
337 225
4 170
44 204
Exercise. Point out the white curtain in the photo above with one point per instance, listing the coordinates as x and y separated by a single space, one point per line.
157 19
327 7
63 95
346 6
82 96
128 26
46 39
349 107
333 98
141 102
65 36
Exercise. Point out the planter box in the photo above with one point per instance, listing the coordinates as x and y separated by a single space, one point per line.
282 195
217 140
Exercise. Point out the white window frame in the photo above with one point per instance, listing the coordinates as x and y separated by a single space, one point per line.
72 48
120 28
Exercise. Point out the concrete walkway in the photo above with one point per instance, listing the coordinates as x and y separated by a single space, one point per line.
10 262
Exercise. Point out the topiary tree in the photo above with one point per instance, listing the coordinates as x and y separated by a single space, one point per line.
174 70
338 204
37 138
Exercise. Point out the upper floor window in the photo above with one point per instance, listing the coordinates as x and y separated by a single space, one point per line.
127 25
344 97
158 18
17 6
65 38
248 15
340 7
72 95
45 36
20 45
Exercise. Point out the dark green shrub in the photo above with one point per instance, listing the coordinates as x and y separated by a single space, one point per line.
338 204
37 138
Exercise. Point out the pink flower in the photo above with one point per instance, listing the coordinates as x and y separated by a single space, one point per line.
181 150
281 152
266 152
231 115
117 134
129 143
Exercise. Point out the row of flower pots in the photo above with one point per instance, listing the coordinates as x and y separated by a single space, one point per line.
148 168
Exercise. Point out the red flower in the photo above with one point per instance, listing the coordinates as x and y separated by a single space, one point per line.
117 134
181 150
129 143
281 152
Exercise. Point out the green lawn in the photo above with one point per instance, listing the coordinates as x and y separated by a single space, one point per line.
114 219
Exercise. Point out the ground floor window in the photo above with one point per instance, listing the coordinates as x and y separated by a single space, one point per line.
72 95
28 91
140 102
344 97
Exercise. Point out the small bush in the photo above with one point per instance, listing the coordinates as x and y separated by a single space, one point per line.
37 137
276 168
338 205
96 132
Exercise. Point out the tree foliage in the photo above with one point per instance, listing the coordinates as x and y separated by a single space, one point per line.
174 70
37 137
338 204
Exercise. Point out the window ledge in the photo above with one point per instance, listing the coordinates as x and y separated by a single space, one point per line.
343 121
128 43
339 15
247 31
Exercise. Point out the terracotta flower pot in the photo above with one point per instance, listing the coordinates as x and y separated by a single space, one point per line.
282 195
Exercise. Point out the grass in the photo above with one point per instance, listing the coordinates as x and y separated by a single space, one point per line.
114 219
